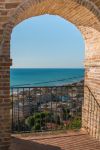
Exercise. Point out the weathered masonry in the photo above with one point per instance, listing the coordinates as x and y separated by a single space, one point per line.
85 15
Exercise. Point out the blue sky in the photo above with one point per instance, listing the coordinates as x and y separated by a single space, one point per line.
47 42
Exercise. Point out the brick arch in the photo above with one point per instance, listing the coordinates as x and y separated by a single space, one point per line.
84 14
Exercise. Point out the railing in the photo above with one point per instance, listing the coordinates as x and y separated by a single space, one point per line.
93 114
38 109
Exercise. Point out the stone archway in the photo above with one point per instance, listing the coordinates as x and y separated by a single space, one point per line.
84 14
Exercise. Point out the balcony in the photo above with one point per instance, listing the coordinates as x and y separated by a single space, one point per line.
65 141
50 118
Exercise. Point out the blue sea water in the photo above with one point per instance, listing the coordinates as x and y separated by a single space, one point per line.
44 77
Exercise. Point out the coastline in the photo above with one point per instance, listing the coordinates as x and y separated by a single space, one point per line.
78 83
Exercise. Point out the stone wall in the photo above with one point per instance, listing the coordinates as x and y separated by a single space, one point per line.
84 14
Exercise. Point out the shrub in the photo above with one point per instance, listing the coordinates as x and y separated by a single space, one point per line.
75 124
36 127
30 121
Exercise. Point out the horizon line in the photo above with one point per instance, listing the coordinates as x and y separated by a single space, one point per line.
47 68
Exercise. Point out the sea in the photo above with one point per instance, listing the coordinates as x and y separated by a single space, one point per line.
29 77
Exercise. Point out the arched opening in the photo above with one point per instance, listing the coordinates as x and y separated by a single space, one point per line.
85 15
49 49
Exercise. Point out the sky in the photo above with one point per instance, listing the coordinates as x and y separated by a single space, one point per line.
47 41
